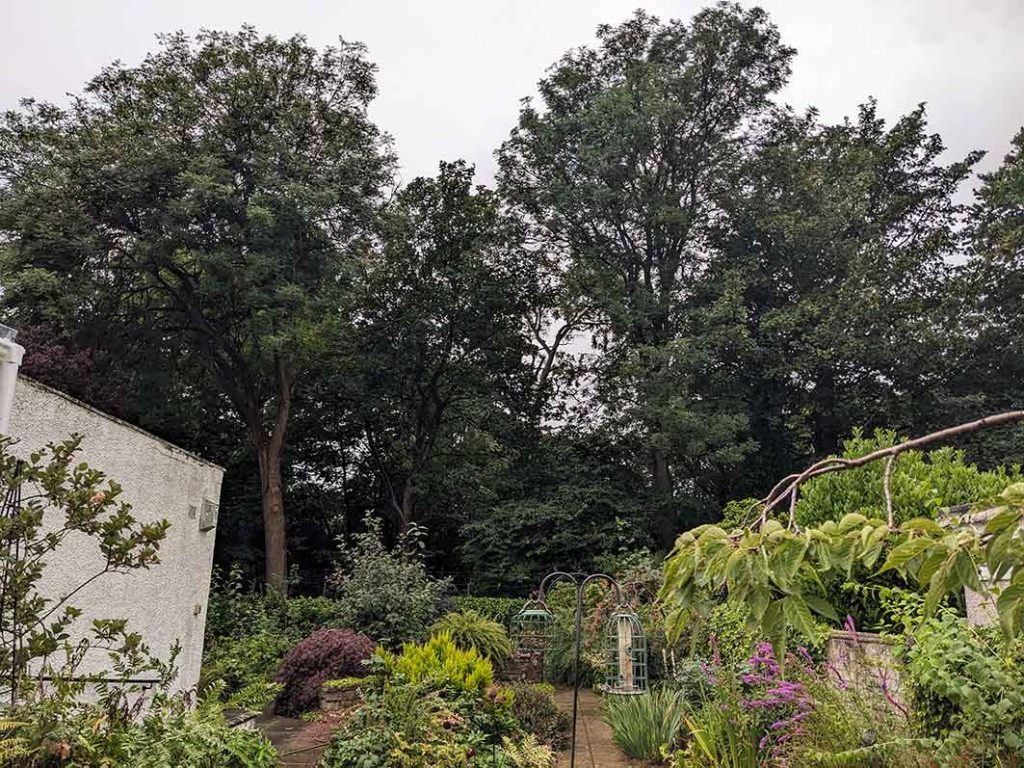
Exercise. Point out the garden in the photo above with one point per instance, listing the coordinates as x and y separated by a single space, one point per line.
645 430
729 663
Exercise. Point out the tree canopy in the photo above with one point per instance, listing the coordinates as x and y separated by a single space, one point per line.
677 291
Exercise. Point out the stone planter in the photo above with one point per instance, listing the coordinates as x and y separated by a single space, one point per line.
340 694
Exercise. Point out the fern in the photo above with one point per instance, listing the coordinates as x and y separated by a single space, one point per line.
527 753
12 747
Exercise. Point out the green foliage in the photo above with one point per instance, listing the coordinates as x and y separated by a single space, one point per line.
499 609
646 726
922 484
344 683
170 734
780 572
438 353
563 506
440 663
244 667
534 707
226 180
471 630
968 685
249 632
617 171
385 594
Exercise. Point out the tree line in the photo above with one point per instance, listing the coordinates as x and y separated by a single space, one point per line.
677 291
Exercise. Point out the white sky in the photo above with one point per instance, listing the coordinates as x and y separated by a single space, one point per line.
452 71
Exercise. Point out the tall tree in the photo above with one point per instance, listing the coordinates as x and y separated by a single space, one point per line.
835 244
208 199
439 343
621 172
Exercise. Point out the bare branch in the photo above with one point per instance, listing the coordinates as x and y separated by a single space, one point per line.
887 490
789 484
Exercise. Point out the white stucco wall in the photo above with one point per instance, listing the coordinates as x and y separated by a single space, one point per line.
167 602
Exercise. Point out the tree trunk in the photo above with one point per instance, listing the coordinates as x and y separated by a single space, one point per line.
665 522
408 510
270 448
826 427
274 536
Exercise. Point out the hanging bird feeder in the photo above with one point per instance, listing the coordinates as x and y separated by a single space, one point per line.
627 654
531 628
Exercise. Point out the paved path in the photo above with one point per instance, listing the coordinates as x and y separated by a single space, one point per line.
299 744
594 746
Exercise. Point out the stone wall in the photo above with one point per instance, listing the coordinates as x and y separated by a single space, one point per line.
165 604
865 661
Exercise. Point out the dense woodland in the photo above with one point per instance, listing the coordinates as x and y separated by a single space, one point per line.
677 291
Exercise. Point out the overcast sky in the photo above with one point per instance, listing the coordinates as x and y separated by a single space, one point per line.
452 71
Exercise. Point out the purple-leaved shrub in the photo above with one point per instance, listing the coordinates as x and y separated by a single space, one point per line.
327 654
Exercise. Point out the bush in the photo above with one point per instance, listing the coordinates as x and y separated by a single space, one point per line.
471 630
499 609
439 663
968 686
384 593
645 725
243 664
534 707
327 654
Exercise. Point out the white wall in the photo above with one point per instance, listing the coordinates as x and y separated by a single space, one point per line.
160 481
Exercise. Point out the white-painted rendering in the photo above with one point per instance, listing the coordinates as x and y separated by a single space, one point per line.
166 603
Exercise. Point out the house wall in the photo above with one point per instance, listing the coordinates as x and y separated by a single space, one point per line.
167 603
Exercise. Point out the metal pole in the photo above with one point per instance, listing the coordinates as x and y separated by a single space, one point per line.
576 671
581 585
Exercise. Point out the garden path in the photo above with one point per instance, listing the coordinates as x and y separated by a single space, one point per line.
299 744
594 745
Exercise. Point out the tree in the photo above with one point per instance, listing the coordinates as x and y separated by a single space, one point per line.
439 345
208 200
990 307
621 173
834 249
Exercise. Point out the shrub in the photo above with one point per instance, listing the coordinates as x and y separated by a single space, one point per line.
325 655
968 686
244 663
439 663
534 707
471 630
499 609
646 724
384 593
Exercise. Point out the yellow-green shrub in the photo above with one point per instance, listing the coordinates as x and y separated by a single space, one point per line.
440 663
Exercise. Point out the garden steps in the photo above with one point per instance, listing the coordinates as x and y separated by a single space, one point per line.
594 745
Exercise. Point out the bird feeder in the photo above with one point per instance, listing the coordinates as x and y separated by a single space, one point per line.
531 628
627 654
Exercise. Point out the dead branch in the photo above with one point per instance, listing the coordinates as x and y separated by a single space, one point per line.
789 484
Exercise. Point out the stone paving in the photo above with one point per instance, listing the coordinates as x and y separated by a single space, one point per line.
594 745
